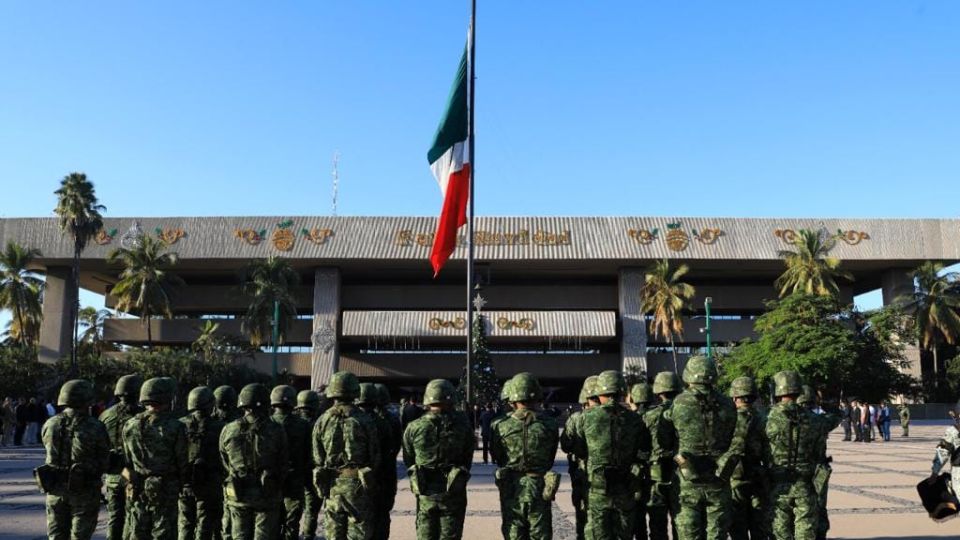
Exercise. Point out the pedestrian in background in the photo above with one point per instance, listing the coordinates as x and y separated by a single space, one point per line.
9 416
845 420
485 418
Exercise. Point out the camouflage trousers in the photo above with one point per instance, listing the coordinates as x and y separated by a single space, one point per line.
640 516
201 518
440 517
579 487
609 515
795 510
289 522
115 490
348 512
526 515
226 529
72 516
662 508
154 520
384 499
704 510
822 488
312 505
254 523
751 513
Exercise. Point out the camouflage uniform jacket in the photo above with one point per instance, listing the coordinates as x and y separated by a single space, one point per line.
205 477
572 438
825 423
227 415
663 441
254 453
114 419
437 442
750 439
345 437
948 451
525 442
298 451
155 446
615 445
77 441
391 450
705 421
794 439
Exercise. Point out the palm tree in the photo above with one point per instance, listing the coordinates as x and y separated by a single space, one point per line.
810 269
79 215
20 289
145 284
206 341
92 320
665 297
269 283
935 307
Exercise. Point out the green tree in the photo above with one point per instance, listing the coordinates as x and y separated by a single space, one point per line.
484 385
953 375
78 212
20 289
878 368
91 322
145 285
665 296
809 267
934 305
269 282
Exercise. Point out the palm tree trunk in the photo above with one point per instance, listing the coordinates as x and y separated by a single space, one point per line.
149 334
936 368
75 308
23 328
673 349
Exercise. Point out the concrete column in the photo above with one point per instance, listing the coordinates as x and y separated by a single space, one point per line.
55 330
633 344
326 326
895 283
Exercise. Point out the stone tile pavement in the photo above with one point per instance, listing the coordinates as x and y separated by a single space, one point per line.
872 494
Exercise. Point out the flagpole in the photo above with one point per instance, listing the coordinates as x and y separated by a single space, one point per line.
473 178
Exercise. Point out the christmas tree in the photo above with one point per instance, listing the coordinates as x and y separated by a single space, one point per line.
485 388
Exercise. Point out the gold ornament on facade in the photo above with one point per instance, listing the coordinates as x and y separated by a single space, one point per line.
316 235
644 236
852 237
250 236
437 323
707 235
787 235
103 237
169 235
283 238
525 323
677 239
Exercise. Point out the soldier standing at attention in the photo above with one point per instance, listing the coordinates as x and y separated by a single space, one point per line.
346 451
904 411
78 450
793 438
368 403
663 499
201 499
308 408
226 411
524 446
748 484
114 418
254 453
438 452
640 398
282 399
572 436
825 423
616 447
155 445
705 421
387 472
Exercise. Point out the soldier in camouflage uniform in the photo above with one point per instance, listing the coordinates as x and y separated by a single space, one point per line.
438 452
155 446
367 401
78 450
226 411
664 489
640 398
308 408
705 421
825 423
524 446
749 484
201 499
904 411
387 472
573 431
615 444
254 453
114 418
346 452
793 437
282 399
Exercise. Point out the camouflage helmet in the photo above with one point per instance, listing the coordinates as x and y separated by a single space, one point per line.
383 394
807 397
584 393
128 386
253 396
787 383
368 394
283 395
525 387
505 390
610 383
640 393
226 397
76 394
700 370
438 392
199 398
158 390
666 382
308 399
343 385
590 386
743 387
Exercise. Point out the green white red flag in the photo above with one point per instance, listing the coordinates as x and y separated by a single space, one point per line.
450 159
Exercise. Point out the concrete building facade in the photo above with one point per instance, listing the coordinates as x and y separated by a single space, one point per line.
562 294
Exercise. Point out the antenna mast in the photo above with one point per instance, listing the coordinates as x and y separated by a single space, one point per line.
335 173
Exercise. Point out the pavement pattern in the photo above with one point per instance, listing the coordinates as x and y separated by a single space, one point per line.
872 494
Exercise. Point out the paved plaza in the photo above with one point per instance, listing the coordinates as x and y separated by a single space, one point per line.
872 494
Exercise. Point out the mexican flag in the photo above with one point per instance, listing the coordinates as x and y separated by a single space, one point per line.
449 159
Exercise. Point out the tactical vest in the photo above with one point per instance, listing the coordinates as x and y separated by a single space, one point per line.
528 442
344 439
793 441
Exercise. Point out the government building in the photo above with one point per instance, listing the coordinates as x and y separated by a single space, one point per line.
562 294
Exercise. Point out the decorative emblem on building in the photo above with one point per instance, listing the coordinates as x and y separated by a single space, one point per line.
169 235
133 237
525 323
250 236
324 338
789 236
707 235
437 323
644 236
283 237
677 239
852 237
316 235
104 237
849 237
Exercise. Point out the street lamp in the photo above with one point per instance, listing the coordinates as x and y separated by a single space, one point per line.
276 336
706 305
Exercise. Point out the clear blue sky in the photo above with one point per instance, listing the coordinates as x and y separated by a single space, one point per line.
748 108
